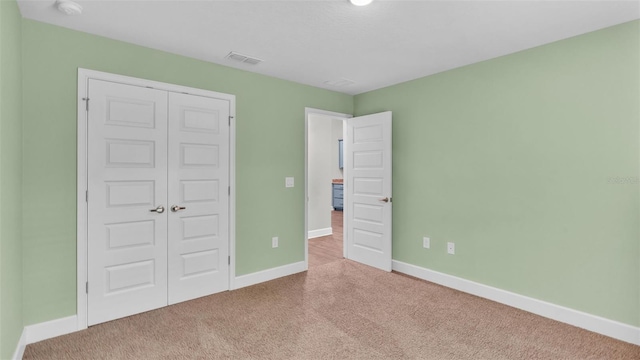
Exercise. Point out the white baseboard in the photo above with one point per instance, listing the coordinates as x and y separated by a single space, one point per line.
51 329
269 274
319 232
22 344
617 330
600 325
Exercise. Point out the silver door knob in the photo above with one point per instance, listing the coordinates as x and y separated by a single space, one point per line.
176 208
159 209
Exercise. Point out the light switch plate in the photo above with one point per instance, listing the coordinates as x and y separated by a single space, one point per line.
288 182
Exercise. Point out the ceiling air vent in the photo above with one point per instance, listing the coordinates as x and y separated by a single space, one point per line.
340 82
243 58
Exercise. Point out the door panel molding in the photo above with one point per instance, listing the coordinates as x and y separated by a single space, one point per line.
198 154
116 106
127 176
368 189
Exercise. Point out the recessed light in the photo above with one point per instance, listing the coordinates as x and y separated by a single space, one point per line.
360 2
69 7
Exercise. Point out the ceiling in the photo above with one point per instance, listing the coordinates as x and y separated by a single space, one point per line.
318 41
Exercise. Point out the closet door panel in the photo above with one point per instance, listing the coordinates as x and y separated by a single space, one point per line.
127 179
198 196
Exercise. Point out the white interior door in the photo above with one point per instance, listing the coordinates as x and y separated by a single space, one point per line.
158 199
368 189
127 191
198 196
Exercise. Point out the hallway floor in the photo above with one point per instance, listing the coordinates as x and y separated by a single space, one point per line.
326 249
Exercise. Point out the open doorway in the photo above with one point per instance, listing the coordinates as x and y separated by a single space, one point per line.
324 187
366 189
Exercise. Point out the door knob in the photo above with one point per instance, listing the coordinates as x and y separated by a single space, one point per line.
385 200
176 208
159 209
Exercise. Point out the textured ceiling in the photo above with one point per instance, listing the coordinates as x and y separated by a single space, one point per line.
312 42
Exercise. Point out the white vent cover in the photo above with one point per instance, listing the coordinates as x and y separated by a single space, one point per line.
243 58
340 82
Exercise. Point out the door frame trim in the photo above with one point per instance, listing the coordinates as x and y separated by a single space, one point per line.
336 115
82 177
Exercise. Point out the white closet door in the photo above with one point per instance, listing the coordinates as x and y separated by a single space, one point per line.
198 196
127 182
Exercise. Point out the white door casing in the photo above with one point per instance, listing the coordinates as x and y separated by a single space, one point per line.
331 115
127 242
368 189
198 182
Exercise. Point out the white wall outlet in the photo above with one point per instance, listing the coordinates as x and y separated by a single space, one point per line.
426 242
288 181
451 248
274 242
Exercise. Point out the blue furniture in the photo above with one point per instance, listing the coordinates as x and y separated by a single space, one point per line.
337 195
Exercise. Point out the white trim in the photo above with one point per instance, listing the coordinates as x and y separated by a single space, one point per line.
81 231
21 346
269 274
345 193
232 196
308 111
51 329
319 233
600 325
81 204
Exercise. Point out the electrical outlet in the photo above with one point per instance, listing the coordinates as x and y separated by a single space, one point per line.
426 242
274 242
451 248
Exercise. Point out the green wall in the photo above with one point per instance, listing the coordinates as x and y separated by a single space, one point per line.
530 164
10 178
270 146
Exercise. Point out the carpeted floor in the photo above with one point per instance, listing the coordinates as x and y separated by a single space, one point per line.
340 310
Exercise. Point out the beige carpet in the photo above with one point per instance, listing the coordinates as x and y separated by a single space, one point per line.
340 310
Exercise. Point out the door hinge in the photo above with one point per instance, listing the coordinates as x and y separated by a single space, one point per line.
86 102
229 259
86 196
229 190
87 286
230 117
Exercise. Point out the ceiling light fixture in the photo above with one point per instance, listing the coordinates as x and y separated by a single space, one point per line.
69 7
360 2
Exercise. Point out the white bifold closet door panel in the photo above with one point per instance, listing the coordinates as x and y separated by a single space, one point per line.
198 196
158 201
127 172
